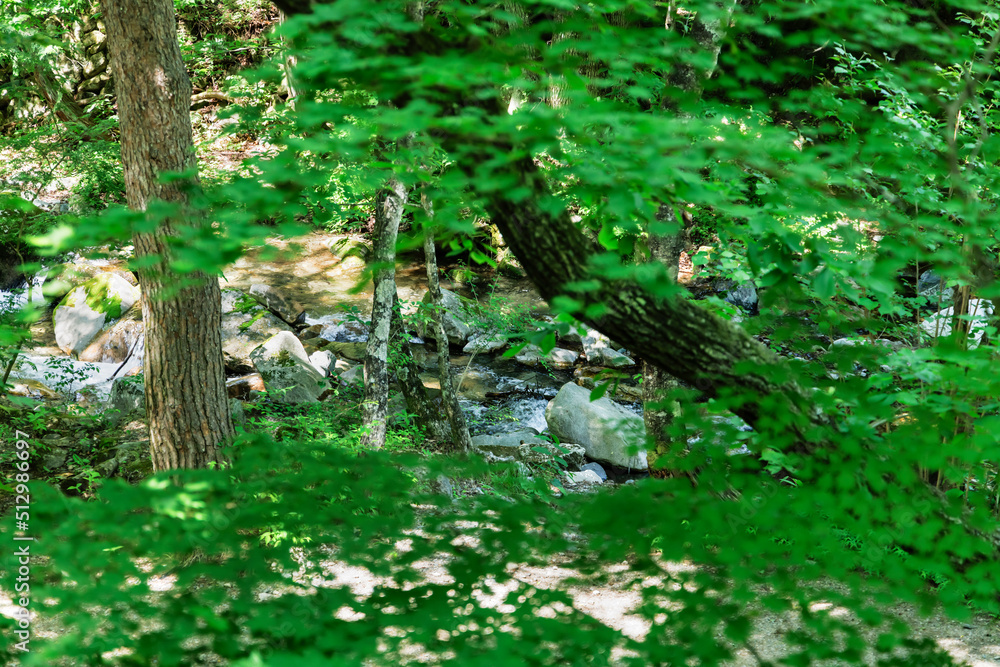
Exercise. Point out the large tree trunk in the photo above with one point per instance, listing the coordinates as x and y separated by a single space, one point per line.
388 212
186 400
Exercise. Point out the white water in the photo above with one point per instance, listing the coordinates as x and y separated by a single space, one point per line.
65 374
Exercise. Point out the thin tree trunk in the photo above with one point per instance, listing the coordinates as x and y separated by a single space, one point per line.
288 63
388 212
186 399
418 403
459 429
656 415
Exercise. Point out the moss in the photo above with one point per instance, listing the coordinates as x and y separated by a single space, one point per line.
249 323
246 304
98 295
285 359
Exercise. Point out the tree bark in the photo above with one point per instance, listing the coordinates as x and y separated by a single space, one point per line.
388 212
658 415
449 397
186 399
418 403
689 80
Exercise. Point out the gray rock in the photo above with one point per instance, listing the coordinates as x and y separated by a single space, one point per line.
743 296
245 325
237 412
932 287
352 253
128 398
287 373
484 344
455 326
55 458
88 309
605 356
531 355
524 446
443 485
560 358
584 477
593 343
606 430
353 375
324 361
576 334
597 468
288 310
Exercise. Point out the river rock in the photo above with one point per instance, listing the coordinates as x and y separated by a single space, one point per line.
455 316
743 295
531 355
524 445
287 309
931 286
940 324
353 375
289 377
242 388
323 361
583 477
352 253
352 351
88 309
484 344
606 430
610 358
245 325
597 469
128 399
116 344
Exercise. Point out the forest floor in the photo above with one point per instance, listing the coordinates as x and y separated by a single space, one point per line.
614 599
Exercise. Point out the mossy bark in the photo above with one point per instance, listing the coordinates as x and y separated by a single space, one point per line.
388 212
449 397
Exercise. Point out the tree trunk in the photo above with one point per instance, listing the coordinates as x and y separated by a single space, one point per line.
186 399
408 375
459 429
689 80
658 415
388 212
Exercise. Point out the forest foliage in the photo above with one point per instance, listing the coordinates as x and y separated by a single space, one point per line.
840 150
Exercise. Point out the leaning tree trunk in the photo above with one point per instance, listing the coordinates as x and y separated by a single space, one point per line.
459 429
388 213
186 401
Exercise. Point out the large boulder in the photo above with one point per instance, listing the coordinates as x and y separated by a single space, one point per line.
245 326
455 316
90 308
606 430
287 373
